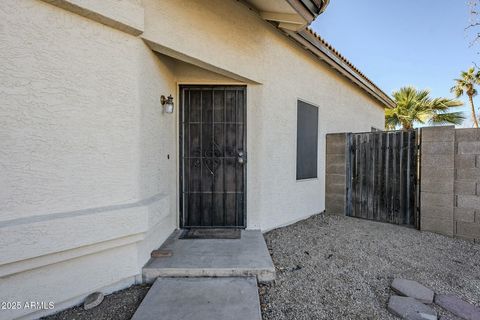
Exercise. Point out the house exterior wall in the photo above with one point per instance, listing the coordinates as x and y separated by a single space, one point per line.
89 161
278 72
86 188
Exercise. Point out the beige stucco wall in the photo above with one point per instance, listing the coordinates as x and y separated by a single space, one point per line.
86 189
278 72
89 161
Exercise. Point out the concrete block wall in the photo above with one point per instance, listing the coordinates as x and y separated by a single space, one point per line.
449 185
335 180
466 217
437 177
450 182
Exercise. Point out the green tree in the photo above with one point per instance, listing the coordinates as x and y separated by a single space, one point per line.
466 85
416 106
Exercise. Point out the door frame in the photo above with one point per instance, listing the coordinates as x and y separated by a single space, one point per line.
180 175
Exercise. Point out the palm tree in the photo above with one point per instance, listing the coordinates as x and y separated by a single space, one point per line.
466 85
416 106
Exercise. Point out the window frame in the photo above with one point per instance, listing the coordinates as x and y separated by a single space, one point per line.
300 178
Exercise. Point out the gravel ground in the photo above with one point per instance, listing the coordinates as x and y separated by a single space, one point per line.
332 267
120 305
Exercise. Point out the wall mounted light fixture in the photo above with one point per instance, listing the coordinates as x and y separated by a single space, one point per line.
167 103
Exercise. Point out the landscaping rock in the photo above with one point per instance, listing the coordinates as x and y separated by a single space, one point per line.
93 300
120 305
413 289
410 309
161 253
352 284
458 307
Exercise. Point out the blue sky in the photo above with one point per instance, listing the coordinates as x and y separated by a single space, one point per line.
397 43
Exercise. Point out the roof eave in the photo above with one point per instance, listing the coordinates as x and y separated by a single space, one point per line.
312 43
309 9
295 25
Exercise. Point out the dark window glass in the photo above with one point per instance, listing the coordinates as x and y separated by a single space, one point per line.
307 140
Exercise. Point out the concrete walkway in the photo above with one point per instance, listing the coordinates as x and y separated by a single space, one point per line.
201 299
247 256
207 279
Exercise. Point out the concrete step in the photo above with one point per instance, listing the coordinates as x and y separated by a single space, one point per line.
247 256
200 299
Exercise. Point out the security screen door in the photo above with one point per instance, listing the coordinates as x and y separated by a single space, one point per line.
212 156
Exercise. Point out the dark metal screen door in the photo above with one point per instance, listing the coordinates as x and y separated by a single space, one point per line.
212 156
382 173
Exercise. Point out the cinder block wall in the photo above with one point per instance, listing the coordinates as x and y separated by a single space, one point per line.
437 176
335 180
450 182
449 186
467 184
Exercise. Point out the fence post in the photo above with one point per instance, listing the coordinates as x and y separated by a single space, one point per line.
336 173
437 179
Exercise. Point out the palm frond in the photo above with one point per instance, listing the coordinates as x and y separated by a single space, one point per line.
391 119
442 104
416 106
423 117
448 118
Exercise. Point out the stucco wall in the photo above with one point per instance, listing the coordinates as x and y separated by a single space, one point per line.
341 108
86 189
89 161
278 72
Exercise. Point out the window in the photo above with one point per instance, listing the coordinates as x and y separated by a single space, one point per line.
307 140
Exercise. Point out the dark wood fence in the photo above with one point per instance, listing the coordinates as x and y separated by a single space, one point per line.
382 171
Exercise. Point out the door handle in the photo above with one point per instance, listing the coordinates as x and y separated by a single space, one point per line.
241 157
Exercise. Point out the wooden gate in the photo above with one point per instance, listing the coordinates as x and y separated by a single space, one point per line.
382 177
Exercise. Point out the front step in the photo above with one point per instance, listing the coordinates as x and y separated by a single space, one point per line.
247 256
201 299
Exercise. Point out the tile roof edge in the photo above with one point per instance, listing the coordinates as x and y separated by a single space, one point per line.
353 69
